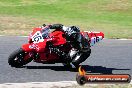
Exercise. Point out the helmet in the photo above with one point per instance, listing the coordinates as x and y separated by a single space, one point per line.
75 29
72 30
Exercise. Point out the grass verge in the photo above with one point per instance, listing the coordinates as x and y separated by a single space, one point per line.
113 17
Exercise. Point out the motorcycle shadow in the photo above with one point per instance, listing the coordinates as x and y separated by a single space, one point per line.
87 68
55 68
100 69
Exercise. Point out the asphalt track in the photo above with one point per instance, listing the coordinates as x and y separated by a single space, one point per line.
107 57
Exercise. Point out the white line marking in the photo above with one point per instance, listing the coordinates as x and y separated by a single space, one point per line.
118 39
59 84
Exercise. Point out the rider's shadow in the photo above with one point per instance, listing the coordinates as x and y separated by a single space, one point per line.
87 68
100 69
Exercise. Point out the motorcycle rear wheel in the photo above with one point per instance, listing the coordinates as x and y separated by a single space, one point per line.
16 58
82 58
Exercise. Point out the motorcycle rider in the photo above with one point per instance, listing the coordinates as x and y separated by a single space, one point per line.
81 47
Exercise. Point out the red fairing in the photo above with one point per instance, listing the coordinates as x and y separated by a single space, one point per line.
26 47
58 39
38 47
93 34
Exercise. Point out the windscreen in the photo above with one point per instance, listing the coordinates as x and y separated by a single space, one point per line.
45 32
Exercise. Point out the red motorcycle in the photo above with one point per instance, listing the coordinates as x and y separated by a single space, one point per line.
37 48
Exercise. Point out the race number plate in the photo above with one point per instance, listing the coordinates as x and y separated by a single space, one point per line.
95 40
37 37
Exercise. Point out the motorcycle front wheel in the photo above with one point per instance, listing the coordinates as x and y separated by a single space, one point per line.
16 58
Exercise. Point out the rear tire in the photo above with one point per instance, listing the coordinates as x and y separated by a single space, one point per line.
16 58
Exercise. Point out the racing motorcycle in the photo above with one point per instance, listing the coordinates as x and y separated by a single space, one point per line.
38 47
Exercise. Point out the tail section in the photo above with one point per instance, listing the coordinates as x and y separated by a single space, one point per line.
94 37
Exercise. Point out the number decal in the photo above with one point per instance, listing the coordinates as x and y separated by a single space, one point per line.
95 40
37 37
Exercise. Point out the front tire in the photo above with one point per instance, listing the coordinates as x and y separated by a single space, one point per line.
16 58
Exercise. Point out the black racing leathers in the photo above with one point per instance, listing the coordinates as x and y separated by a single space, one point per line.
77 40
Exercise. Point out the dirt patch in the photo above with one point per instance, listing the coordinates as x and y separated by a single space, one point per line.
119 5
111 5
10 25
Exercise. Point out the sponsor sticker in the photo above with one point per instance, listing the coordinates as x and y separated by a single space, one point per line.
83 77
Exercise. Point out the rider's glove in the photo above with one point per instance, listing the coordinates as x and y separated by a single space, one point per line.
56 26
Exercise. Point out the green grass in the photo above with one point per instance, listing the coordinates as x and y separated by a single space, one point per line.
113 17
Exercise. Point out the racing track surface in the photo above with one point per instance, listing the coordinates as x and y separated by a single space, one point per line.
108 56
